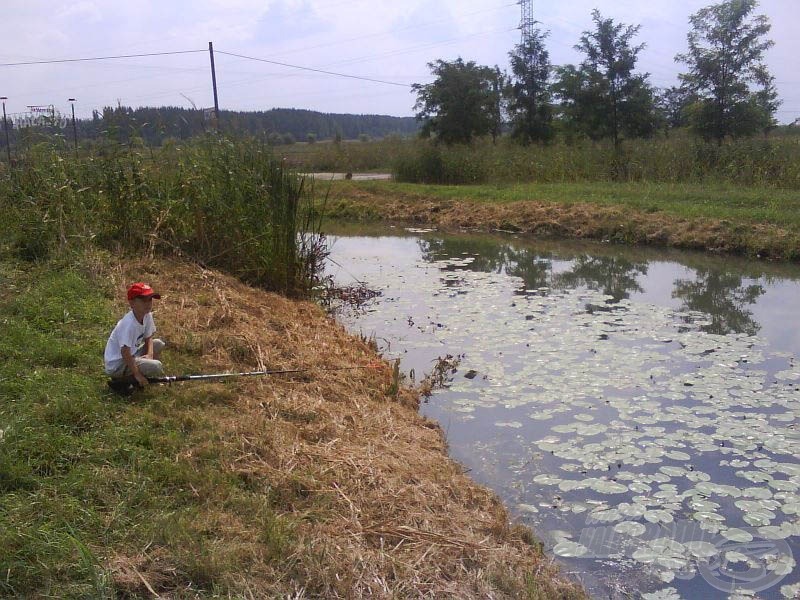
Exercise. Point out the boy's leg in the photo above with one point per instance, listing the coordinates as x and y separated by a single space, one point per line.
122 374
150 367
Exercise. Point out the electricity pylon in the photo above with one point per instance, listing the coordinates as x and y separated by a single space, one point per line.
527 24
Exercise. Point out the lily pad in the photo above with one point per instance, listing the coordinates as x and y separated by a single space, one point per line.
568 549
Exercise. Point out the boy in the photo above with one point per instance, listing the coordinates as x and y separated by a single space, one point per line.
131 352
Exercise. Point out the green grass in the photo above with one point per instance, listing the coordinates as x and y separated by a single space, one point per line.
741 204
86 475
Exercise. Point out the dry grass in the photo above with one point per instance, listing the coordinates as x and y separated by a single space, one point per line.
580 220
362 481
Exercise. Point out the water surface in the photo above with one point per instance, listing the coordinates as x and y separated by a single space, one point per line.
638 408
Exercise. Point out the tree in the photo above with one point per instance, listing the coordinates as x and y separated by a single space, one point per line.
530 105
604 97
726 50
766 98
673 103
462 102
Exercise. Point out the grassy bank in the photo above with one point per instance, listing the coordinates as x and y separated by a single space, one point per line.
750 221
320 485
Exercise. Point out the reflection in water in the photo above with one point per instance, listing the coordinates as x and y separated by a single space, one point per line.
724 297
613 275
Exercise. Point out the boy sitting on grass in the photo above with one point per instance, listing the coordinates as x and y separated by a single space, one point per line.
132 354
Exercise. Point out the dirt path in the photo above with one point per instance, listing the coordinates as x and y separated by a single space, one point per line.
353 176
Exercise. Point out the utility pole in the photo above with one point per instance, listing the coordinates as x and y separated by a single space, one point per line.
214 84
5 126
74 128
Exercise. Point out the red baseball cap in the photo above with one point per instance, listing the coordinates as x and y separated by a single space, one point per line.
143 290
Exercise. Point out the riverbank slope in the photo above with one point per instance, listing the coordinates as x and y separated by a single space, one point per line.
756 223
326 483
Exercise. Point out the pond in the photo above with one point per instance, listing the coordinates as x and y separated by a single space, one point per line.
638 408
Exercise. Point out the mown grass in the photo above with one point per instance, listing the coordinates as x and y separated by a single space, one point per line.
745 204
87 477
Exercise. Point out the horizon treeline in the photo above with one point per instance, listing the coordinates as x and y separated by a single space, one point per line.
154 125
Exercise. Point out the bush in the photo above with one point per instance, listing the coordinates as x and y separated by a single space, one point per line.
428 162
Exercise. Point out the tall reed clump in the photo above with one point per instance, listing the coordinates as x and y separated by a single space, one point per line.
345 156
431 163
223 202
760 162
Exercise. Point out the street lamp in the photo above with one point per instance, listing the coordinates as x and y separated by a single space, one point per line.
74 129
5 126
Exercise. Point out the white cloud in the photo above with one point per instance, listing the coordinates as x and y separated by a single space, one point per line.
80 10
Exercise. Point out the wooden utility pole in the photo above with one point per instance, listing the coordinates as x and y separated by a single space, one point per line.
214 84
74 128
5 127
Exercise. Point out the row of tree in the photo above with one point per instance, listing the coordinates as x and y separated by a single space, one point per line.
726 91
277 126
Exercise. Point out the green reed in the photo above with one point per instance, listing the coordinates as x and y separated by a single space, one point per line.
222 202
762 162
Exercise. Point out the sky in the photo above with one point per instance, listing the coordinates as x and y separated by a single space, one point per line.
383 40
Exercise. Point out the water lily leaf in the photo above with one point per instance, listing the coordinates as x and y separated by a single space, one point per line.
773 532
646 555
568 549
782 564
735 557
737 535
547 479
702 549
630 528
609 487
791 508
605 516
665 594
790 591
677 455
658 516
758 519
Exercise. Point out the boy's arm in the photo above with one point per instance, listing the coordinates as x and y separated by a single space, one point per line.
130 361
148 347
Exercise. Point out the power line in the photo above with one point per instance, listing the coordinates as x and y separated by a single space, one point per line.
92 58
273 62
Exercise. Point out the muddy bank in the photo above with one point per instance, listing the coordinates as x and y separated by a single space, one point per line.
370 503
579 220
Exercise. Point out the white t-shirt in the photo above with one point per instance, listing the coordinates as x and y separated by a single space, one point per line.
128 332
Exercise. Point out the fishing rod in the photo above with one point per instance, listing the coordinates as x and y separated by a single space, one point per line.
212 376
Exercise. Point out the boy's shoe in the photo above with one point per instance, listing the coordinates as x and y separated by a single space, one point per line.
124 388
